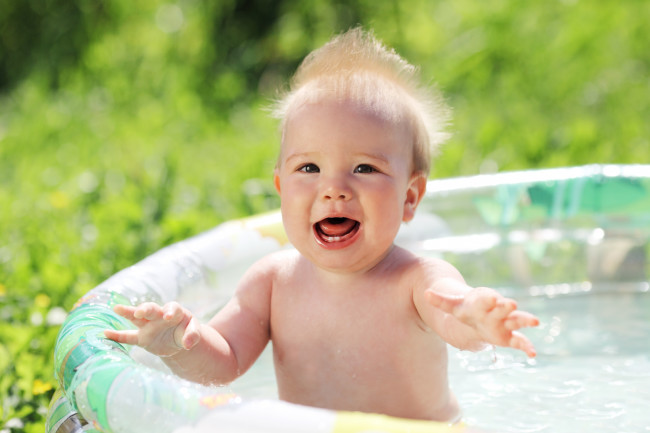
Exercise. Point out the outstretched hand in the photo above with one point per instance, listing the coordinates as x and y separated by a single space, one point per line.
162 330
494 317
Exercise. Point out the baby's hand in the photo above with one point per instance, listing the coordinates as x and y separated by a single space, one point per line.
494 317
163 331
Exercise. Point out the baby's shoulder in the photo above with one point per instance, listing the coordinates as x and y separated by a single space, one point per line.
427 269
260 278
276 263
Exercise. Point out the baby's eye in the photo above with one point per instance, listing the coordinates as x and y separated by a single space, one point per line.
309 168
364 169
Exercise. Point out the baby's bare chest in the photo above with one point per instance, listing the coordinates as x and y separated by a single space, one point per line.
365 332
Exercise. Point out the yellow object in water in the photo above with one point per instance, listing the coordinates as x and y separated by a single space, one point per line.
357 422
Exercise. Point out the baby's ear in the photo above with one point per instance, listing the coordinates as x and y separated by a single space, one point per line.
416 188
276 180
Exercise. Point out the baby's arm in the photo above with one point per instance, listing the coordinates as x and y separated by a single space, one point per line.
470 318
216 352
192 350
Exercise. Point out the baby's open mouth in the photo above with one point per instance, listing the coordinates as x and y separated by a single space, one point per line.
332 230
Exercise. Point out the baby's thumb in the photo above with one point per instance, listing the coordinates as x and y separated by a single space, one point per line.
446 303
192 335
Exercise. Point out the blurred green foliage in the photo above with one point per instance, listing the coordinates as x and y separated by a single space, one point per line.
125 126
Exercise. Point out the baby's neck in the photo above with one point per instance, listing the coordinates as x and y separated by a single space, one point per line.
346 279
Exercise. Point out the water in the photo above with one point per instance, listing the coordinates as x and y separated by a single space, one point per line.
592 372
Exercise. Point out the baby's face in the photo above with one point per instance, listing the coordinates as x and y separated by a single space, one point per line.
346 184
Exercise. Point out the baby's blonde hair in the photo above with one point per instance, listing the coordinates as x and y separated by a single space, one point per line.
355 66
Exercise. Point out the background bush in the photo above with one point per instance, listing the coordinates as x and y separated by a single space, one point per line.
125 126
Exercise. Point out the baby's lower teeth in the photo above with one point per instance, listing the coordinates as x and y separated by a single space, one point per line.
333 238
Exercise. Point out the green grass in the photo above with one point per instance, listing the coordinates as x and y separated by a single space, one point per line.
149 137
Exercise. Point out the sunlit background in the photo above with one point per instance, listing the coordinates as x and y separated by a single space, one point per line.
127 125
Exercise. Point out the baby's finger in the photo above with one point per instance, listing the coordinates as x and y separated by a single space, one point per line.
519 341
504 307
125 311
124 337
481 306
173 312
520 319
148 311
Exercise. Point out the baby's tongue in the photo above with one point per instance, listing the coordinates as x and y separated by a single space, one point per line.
336 226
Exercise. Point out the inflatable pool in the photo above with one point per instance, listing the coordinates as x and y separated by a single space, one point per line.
539 233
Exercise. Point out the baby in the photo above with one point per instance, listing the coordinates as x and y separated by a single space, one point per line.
356 322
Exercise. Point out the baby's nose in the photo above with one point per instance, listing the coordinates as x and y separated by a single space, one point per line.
336 190
333 195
